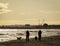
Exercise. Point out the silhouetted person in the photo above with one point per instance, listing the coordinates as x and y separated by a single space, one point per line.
39 34
27 36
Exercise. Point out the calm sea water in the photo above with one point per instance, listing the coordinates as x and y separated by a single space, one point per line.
12 34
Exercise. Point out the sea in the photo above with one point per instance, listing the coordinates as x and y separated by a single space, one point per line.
13 34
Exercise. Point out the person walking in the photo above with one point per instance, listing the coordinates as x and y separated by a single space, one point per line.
39 34
27 36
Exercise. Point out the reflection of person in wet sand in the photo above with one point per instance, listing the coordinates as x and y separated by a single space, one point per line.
39 34
27 36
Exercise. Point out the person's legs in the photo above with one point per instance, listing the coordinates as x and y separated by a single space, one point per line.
40 37
28 38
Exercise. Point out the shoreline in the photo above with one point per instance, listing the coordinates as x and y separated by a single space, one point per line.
45 41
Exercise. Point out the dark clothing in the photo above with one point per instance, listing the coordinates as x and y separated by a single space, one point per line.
27 36
39 35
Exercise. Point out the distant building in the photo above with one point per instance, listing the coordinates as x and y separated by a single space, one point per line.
45 24
27 24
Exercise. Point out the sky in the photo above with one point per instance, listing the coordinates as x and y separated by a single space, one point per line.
29 12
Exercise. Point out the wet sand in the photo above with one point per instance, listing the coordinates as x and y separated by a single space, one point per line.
45 41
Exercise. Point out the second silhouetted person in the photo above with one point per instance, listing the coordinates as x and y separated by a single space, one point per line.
27 36
39 34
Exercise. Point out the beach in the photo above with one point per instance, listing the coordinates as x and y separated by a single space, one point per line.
45 41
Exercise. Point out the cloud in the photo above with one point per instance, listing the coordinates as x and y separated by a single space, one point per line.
4 8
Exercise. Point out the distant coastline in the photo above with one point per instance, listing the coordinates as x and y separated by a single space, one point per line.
28 26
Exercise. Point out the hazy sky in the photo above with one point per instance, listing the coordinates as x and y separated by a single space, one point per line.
29 11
